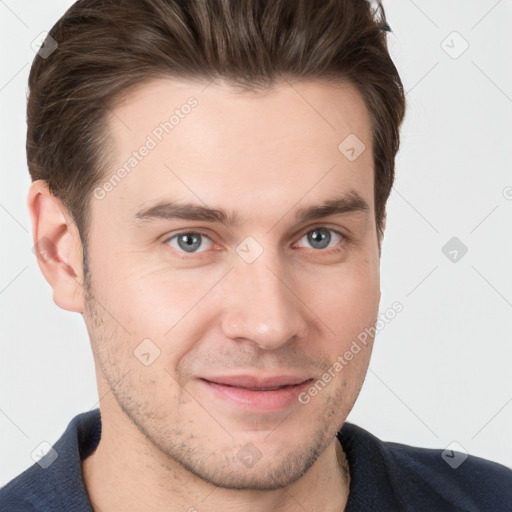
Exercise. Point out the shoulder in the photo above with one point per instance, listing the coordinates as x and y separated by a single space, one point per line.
457 476
55 482
20 494
425 479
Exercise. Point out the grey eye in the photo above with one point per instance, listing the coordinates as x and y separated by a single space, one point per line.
190 242
322 238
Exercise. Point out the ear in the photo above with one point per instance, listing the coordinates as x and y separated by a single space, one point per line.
57 246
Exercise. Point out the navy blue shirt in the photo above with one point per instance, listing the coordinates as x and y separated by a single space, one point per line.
384 476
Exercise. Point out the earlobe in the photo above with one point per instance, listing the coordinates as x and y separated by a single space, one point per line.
57 246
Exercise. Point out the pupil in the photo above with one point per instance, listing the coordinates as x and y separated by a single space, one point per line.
189 242
319 238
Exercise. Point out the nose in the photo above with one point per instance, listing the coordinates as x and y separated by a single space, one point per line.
262 306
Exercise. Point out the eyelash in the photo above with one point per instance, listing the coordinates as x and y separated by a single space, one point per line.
344 240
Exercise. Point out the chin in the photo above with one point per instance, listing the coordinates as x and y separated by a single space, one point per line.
270 471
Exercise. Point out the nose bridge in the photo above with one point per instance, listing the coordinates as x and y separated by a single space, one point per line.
261 307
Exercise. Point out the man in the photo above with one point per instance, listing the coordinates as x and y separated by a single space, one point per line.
209 190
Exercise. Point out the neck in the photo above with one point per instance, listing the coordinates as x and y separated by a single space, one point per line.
142 478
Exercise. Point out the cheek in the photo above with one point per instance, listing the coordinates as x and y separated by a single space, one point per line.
348 303
158 303
346 300
146 297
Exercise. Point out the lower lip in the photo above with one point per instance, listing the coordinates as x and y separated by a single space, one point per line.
264 401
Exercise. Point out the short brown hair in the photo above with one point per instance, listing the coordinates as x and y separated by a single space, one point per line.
106 48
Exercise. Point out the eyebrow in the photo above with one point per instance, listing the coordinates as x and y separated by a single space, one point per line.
348 203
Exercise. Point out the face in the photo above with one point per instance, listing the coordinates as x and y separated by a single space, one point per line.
232 266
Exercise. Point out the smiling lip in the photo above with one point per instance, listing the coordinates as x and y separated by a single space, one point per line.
256 393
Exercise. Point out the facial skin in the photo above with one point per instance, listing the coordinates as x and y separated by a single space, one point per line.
169 441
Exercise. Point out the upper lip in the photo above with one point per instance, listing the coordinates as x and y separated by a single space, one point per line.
252 381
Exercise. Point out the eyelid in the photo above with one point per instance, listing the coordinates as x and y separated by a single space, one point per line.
199 231
325 225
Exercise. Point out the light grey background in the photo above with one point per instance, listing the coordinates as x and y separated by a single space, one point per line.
441 370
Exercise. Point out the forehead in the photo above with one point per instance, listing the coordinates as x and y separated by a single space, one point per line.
241 150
